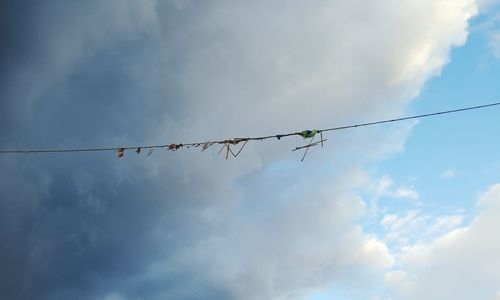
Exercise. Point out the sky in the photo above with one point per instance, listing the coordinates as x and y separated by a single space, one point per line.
398 211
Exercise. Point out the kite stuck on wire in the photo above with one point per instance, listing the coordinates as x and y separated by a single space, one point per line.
310 134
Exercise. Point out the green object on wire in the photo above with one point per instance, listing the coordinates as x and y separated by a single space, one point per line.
307 134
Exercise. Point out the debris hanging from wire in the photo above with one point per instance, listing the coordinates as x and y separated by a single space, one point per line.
230 144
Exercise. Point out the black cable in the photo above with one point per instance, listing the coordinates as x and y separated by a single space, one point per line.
411 117
238 140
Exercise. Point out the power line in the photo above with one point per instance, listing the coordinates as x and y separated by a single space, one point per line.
414 117
227 143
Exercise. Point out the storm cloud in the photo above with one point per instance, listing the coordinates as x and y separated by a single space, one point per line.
188 225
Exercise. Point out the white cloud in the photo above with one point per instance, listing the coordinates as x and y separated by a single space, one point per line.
385 187
290 248
292 66
449 174
408 193
405 231
462 264
400 279
389 219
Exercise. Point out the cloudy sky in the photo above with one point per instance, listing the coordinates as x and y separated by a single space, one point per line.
400 211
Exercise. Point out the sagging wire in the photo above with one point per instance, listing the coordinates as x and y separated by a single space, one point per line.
228 143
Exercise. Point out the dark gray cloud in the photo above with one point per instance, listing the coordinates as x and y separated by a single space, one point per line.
72 226
183 225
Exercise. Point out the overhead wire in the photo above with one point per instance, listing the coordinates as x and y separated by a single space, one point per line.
228 142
